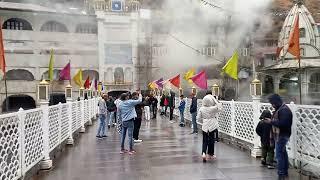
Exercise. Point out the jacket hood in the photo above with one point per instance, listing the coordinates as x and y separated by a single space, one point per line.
275 100
207 101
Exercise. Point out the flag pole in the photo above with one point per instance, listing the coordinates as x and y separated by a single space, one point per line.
6 92
300 82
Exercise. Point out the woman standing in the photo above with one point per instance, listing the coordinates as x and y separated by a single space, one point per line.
208 116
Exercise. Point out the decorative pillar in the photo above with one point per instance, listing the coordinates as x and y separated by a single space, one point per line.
256 92
68 93
276 84
216 91
43 98
81 93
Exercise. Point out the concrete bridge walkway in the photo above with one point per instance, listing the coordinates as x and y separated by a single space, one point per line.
167 152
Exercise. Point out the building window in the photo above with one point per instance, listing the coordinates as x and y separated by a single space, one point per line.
17 24
135 6
302 52
302 32
245 52
53 26
86 29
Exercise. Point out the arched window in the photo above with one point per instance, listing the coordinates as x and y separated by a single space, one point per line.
268 85
86 29
314 85
56 75
53 26
19 74
119 76
17 24
289 85
91 73
302 32
16 102
135 6
128 75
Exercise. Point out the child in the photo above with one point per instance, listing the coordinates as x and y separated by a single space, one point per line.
264 130
181 108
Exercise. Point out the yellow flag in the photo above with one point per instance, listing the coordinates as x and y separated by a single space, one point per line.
51 66
231 68
188 75
78 78
152 85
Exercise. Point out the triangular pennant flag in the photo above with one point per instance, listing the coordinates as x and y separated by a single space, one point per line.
87 83
189 75
231 68
51 66
78 78
294 40
65 73
175 81
160 83
96 84
200 80
92 85
2 57
100 86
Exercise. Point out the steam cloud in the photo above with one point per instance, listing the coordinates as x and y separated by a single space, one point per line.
199 25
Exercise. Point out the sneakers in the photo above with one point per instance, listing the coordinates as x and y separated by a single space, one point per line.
137 140
194 133
109 126
104 136
99 137
123 151
270 167
204 157
182 125
132 152
171 121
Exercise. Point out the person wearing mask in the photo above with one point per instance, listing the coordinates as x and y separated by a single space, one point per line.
181 108
162 104
281 122
102 117
193 112
137 122
146 104
208 116
127 115
154 106
111 107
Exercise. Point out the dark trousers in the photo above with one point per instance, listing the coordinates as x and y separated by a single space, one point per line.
115 117
208 142
154 111
267 154
136 128
282 156
171 113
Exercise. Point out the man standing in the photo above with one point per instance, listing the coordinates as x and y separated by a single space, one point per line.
111 107
137 122
193 112
172 104
181 108
154 106
102 116
127 115
282 122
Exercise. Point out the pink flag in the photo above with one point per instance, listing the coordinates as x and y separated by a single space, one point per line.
65 73
200 80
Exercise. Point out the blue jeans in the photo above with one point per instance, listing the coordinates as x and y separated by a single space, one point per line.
282 156
181 116
102 125
110 117
194 122
127 125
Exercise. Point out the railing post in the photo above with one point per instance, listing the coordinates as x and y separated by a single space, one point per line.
60 121
70 140
233 117
89 109
46 162
293 139
83 128
22 116
256 150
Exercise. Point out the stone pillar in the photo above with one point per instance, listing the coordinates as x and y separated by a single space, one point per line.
256 151
276 84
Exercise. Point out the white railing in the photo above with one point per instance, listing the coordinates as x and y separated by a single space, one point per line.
27 137
239 120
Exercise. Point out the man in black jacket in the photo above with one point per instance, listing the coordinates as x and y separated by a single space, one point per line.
193 112
154 106
172 104
137 121
282 121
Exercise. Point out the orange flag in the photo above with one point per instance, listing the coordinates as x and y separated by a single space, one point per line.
294 40
175 81
2 59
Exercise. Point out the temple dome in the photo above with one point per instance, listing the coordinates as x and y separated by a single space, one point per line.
309 33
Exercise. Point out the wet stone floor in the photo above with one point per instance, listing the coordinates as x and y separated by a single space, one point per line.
168 152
